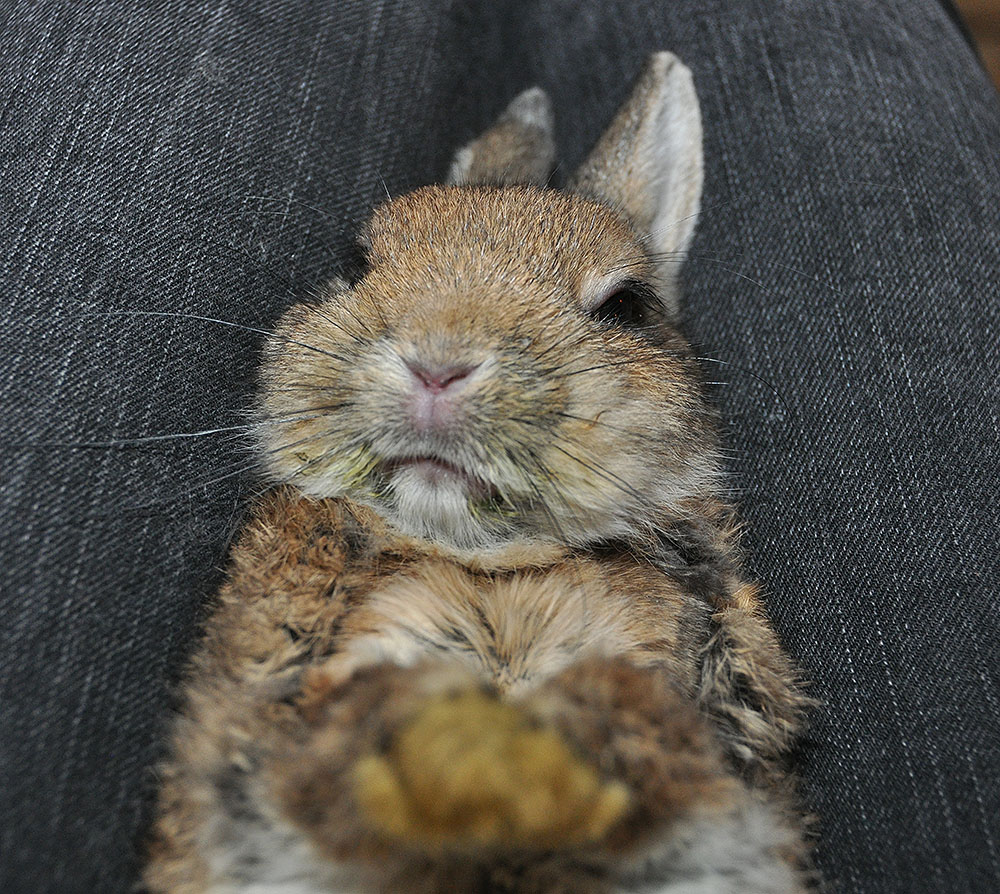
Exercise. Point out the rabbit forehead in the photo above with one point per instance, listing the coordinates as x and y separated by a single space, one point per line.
471 236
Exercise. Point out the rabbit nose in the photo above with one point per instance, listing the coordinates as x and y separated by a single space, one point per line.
435 400
439 378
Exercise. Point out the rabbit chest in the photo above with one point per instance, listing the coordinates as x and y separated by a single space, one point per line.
516 629
328 581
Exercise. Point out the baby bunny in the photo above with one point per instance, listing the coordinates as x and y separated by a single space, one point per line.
489 632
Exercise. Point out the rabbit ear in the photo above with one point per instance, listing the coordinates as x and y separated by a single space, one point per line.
518 148
649 164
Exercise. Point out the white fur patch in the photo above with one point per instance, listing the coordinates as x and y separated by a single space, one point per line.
436 511
730 854
253 850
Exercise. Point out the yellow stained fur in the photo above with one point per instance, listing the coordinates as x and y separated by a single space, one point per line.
471 771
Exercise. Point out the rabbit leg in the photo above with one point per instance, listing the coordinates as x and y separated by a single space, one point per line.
693 826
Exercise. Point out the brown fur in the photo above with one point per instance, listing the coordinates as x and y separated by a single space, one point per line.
546 671
311 578
590 408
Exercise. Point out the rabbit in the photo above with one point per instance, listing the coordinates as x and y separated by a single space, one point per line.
489 631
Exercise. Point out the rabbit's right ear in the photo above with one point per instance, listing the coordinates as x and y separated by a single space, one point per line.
518 148
649 164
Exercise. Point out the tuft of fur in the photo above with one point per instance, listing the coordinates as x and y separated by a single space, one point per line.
490 631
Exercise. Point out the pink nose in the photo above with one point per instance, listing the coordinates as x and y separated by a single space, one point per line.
438 378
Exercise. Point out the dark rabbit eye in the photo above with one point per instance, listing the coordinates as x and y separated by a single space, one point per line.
629 306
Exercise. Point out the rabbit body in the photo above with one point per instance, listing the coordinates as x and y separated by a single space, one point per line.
490 632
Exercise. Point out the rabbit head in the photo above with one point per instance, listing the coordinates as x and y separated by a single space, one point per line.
506 368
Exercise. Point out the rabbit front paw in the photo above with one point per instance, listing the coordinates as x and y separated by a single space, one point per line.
471 771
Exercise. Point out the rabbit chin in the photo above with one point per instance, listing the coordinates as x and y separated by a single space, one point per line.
437 507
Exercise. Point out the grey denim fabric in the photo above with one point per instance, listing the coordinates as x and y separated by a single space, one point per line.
214 159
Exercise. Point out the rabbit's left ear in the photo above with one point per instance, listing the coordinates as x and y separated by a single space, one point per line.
518 148
649 164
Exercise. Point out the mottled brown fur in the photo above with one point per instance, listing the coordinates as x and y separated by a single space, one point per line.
510 649
269 690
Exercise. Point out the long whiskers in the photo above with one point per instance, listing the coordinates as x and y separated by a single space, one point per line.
315 412
229 323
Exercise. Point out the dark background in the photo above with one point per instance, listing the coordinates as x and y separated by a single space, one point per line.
215 158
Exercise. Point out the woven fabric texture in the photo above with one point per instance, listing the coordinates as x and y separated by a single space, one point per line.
170 165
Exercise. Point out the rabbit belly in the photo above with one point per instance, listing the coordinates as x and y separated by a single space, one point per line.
309 757
273 859
734 854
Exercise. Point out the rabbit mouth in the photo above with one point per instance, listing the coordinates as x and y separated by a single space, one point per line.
436 472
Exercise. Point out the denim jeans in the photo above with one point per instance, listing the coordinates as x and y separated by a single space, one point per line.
168 159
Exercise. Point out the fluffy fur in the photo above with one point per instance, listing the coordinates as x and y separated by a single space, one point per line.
579 431
490 632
